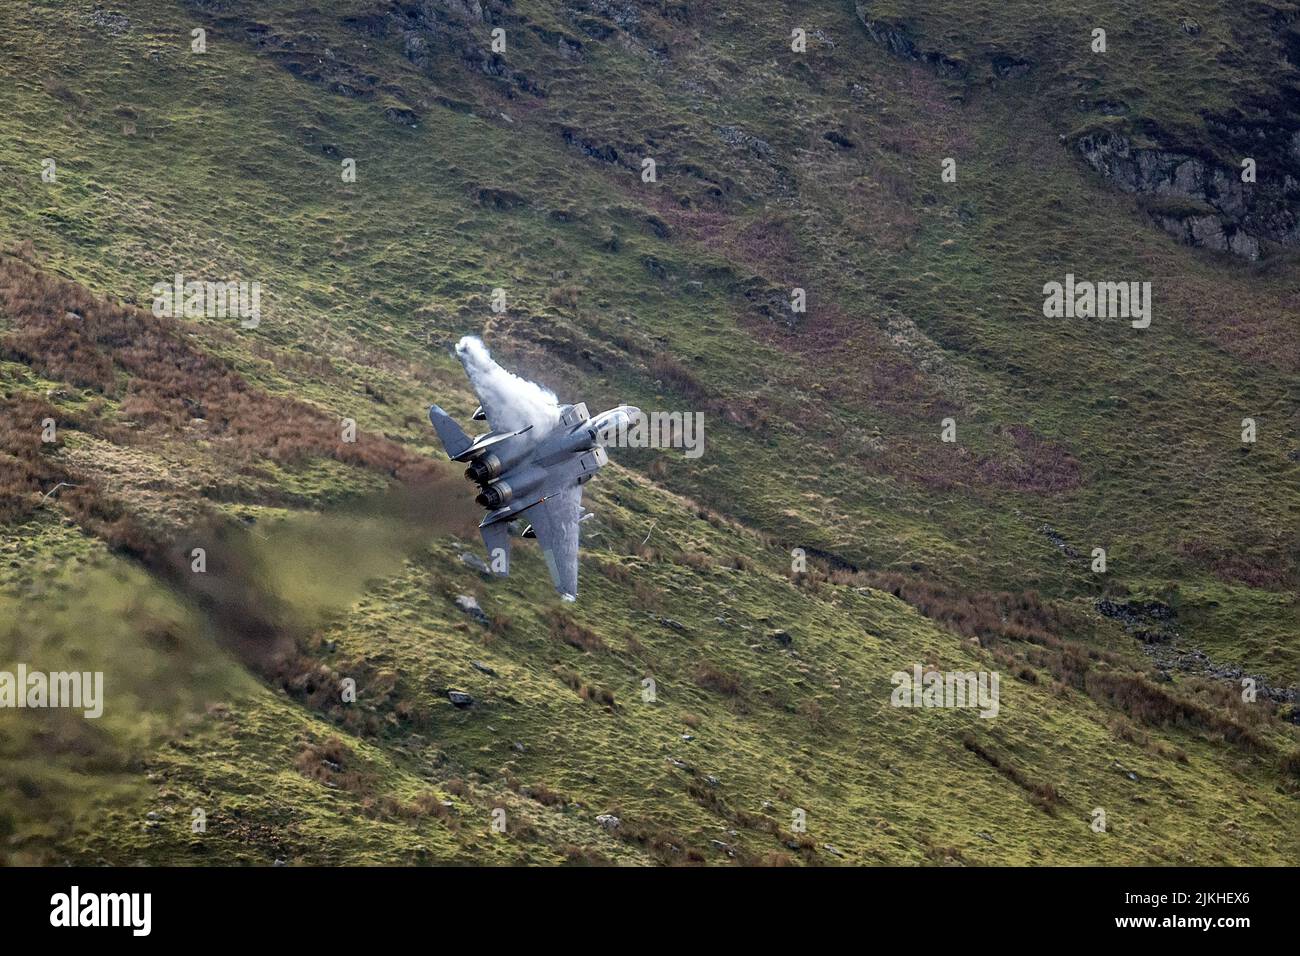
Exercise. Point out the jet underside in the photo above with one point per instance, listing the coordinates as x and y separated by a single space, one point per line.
533 472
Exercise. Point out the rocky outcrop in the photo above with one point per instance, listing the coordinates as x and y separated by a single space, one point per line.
1190 191
897 40
1222 212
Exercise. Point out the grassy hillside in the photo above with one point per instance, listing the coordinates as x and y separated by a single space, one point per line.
522 170
1171 66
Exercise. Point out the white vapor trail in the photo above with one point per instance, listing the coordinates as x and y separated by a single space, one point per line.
510 402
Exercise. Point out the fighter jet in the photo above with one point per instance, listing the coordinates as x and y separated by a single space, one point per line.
533 463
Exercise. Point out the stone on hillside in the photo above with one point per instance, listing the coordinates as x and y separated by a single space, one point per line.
476 563
470 606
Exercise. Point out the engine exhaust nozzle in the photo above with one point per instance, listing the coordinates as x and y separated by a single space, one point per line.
494 496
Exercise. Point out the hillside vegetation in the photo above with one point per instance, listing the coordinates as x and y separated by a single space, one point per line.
774 170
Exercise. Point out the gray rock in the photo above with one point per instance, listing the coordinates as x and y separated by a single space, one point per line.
109 21
472 560
470 606
460 699
1238 217
735 136
609 821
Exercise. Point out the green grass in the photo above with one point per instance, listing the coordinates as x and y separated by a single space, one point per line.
924 302
1170 67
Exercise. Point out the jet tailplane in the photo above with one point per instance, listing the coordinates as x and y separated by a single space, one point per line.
496 537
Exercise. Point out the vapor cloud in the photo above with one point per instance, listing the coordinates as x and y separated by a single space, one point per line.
510 402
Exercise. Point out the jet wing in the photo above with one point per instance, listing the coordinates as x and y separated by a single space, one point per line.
555 522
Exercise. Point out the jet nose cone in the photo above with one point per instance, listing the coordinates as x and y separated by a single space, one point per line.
611 425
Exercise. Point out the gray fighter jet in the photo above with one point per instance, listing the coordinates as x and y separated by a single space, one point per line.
531 465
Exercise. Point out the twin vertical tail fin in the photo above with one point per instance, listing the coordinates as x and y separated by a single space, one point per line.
453 437
495 536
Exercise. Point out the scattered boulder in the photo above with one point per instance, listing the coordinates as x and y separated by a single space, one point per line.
737 137
470 606
482 668
1151 622
460 699
609 821
476 563
110 22
782 637
1058 540
1125 771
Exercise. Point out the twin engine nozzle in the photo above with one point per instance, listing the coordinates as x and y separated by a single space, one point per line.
481 471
